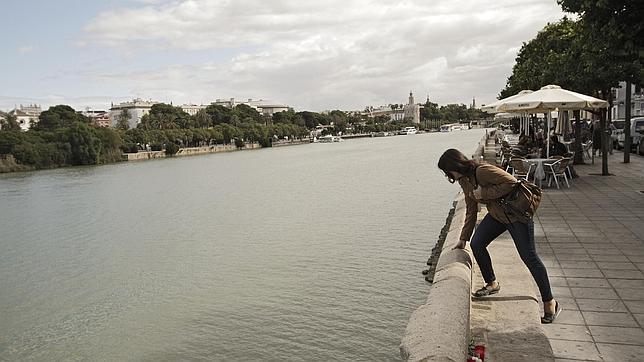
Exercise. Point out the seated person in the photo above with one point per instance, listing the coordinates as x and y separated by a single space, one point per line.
557 148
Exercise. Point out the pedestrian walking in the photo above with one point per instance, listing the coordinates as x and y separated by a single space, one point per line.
487 184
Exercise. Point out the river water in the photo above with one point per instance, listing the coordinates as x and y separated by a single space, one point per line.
303 253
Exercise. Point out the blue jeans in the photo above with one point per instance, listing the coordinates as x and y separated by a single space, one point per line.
523 236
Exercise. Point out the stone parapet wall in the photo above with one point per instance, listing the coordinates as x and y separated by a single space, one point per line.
439 330
187 151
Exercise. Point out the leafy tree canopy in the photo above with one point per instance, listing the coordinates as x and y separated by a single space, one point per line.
620 26
57 117
9 122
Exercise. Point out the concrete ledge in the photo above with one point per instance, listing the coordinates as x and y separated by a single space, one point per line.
439 329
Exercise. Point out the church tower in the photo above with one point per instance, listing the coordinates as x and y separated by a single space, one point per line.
412 110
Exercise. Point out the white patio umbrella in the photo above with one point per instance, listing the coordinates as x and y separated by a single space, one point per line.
494 108
549 98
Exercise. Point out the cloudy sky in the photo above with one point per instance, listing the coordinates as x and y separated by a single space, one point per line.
311 55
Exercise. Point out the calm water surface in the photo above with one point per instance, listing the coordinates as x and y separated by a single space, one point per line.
307 253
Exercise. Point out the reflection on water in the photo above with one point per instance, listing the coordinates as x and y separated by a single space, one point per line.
301 253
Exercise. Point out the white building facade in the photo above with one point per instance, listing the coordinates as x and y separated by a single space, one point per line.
262 106
619 103
137 108
192 109
26 115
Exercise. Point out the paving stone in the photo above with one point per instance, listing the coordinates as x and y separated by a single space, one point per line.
563 257
550 263
616 265
578 264
567 331
639 318
555 272
620 352
617 335
627 283
581 273
588 282
568 304
599 251
630 293
575 349
561 291
594 293
616 258
570 316
564 250
558 281
636 258
601 305
609 319
623 274
569 245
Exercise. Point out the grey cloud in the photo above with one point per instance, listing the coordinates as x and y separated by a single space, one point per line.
332 54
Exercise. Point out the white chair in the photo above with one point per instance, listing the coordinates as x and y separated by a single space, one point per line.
555 170
520 168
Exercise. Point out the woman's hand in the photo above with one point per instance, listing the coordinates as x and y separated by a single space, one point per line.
477 193
460 244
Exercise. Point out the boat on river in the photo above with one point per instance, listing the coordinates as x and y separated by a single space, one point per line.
453 127
408 131
329 139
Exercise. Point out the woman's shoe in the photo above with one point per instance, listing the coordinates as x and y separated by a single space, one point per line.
487 290
549 318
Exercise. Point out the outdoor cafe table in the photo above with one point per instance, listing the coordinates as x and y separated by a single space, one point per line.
539 172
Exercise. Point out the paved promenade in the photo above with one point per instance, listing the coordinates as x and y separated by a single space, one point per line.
591 238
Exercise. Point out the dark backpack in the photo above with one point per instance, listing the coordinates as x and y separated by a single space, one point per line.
522 202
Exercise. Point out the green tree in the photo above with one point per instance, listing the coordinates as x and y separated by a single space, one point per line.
123 119
247 114
171 148
57 117
284 117
453 112
201 119
620 23
9 123
86 147
310 119
218 114
552 57
616 29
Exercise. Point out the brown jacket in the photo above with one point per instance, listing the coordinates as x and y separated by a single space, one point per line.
494 183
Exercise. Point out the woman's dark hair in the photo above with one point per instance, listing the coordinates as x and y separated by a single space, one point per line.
454 160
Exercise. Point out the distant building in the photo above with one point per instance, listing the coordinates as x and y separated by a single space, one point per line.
99 118
394 112
26 115
412 110
262 106
192 109
619 103
135 110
